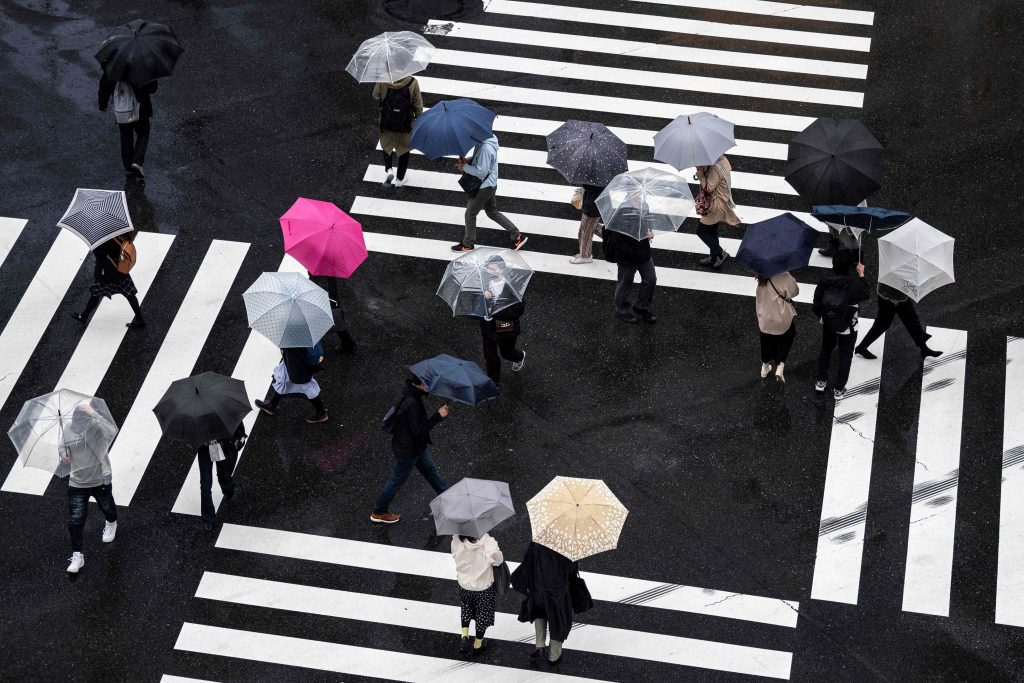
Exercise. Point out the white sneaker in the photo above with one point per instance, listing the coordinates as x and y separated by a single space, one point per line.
838 394
399 182
388 178
819 386
516 367
109 531
77 562
779 376
580 259
765 369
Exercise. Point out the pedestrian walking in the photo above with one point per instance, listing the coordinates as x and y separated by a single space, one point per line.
400 103
632 256
836 303
84 483
773 301
111 275
716 188
483 166
475 560
892 303
346 344
222 453
293 376
133 108
409 427
590 224
500 334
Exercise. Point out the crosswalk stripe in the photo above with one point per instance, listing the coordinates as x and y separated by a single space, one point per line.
1010 572
349 659
259 356
437 565
650 79
605 640
929 571
776 9
97 347
32 316
847 481
181 679
603 103
176 359
633 48
10 230
650 22
533 225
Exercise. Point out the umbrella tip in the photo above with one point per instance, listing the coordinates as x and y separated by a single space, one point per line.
688 119
197 389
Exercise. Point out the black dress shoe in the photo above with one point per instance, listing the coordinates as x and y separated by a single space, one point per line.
628 318
929 353
719 260
706 261
136 324
863 352
645 315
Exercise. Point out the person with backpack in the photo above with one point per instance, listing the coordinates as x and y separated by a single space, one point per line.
836 302
133 108
222 454
632 256
475 561
293 376
480 181
893 302
715 206
112 275
409 426
400 103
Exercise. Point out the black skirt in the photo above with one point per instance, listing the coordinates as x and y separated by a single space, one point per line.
478 606
110 286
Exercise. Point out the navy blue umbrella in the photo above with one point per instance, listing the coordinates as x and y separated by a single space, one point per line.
451 127
454 378
777 245
586 153
860 217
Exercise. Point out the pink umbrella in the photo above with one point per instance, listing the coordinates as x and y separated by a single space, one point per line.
323 238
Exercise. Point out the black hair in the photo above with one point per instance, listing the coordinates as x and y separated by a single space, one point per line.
470 539
843 261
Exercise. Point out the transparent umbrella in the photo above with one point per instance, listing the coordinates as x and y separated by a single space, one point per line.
642 200
390 57
484 281
288 309
916 259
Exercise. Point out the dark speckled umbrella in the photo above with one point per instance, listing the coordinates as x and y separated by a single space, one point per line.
586 153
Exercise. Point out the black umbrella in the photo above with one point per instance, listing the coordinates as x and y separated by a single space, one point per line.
199 409
142 52
586 153
834 162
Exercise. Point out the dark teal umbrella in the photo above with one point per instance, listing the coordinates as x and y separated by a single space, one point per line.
777 245
454 378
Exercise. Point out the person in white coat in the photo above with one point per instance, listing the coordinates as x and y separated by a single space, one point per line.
475 560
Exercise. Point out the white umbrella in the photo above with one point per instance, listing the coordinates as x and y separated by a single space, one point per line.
642 200
97 215
693 140
916 259
288 309
390 57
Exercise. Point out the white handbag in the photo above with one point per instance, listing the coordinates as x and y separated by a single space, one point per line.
216 452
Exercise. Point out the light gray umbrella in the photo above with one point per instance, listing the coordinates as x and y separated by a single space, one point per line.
693 140
484 281
472 507
288 309
390 57
97 216
916 259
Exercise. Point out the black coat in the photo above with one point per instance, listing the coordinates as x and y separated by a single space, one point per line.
543 578
623 249
512 314
590 195
105 269
142 94
301 363
227 445
410 430
854 287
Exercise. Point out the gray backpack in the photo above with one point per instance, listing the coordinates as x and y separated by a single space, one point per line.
126 105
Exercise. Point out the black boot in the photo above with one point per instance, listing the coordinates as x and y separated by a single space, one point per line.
270 405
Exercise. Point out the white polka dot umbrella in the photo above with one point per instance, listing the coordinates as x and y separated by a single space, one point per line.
576 517
288 309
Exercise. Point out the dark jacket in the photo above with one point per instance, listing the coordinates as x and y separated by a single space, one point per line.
854 287
227 445
543 578
302 363
891 294
410 431
510 314
619 248
105 268
142 94
590 194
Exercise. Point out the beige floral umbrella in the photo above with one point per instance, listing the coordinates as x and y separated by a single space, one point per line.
576 517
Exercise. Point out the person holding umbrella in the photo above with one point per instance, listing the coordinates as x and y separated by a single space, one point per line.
716 187
475 560
110 276
590 224
400 103
836 303
222 454
294 376
483 165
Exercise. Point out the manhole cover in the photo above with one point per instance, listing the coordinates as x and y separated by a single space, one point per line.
422 11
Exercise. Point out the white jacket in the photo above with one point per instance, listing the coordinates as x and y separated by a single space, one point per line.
474 562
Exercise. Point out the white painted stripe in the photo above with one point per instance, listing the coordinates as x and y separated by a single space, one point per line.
533 225
97 347
377 609
601 103
254 366
181 679
633 48
927 581
10 229
348 659
436 565
43 296
666 24
1010 576
847 480
776 9
176 359
561 194
650 79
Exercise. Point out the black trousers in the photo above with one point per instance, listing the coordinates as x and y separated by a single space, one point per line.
708 234
506 347
775 347
134 140
403 163
225 477
887 312
275 398
78 510
829 341
95 299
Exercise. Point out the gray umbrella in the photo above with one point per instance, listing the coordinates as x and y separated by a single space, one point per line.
288 309
472 507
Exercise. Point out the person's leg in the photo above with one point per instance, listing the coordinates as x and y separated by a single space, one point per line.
403 164
623 288
886 313
78 511
399 475
484 610
509 352
491 209
141 141
104 496
473 207
206 508
708 234
270 404
466 616
784 342
320 412
90 306
908 314
127 145
648 282
554 650
828 341
540 630
388 157
588 225
767 347
226 473
425 464
846 344
139 321
492 362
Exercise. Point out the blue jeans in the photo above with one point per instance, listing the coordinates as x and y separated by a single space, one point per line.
78 510
224 477
403 468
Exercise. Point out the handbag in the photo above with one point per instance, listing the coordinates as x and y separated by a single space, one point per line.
470 184
577 199
502 579
579 594
503 328
216 452
702 204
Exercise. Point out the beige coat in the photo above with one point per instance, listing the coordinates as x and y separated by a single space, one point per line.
391 141
720 187
774 315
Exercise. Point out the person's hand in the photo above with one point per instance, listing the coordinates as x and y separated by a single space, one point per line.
321 360
487 294
443 411
860 269
460 164
650 234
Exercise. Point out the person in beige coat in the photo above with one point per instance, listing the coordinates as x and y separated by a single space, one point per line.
773 302
400 103
716 180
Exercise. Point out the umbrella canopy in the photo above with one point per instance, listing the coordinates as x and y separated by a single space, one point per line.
202 408
390 57
64 432
484 281
860 218
834 162
586 153
451 127
97 215
472 507
693 140
454 378
576 517
916 259
140 52
288 309
777 245
323 238
647 199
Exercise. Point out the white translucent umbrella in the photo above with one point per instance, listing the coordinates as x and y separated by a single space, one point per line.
642 200
693 140
288 309
390 57
484 281
916 259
